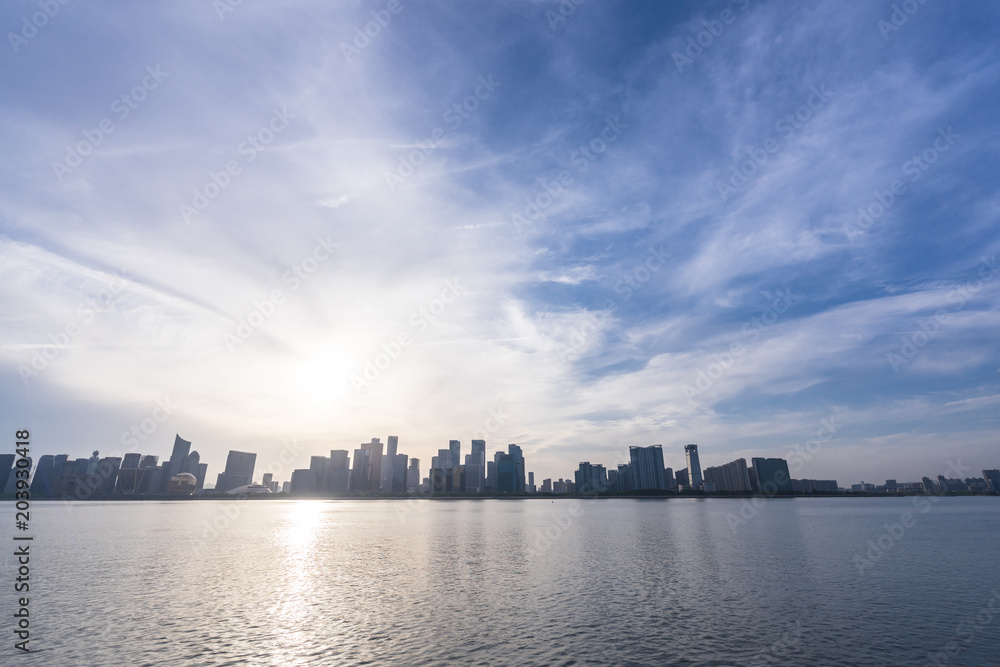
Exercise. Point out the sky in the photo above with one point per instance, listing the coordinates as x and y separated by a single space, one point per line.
286 228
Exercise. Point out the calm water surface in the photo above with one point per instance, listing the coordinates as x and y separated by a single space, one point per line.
528 582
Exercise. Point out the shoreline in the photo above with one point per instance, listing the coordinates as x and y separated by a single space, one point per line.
534 496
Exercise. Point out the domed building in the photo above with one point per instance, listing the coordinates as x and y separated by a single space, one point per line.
182 484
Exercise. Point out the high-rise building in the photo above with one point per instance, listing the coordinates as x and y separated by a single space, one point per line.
193 465
475 467
361 470
178 456
591 478
506 473
340 472
733 477
515 453
375 459
41 481
645 468
682 479
388 463
491 474
694 466
444 459
6 469
772 476
398 479
455 448
547 485
992 478
668 476
304 481
238 472
413 476
367 471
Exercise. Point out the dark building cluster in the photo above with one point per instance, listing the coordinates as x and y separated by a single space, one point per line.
646 472
56 476
374 471
377 468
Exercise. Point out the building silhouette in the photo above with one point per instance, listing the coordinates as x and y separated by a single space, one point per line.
388 464
733 477
644 471
693 466
238 472
772 476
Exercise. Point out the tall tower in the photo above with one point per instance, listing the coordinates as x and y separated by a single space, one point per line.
387 464
455 446
694 466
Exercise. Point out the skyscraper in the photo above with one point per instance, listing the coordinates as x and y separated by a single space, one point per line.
506 473
178 457
398 480
413 476
694 466
367 472
732 477
388 464
455 447
591 478
475 467
515 453
238 472
992 478
646 468
6 469
360 480
772 476
340 473
375 458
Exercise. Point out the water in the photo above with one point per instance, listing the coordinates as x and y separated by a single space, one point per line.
528 582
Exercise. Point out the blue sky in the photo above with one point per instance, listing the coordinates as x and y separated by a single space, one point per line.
640 224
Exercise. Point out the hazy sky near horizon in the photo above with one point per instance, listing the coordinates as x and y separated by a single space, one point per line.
576 229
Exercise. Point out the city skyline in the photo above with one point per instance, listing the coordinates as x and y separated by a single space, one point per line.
369 471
